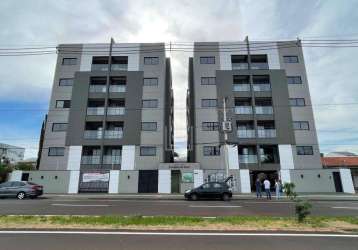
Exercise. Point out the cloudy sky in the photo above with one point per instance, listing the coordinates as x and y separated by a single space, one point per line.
25 82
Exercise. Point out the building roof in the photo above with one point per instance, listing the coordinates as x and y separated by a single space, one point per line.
341 153
340 161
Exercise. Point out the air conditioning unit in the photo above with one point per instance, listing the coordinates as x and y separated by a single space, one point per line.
227 127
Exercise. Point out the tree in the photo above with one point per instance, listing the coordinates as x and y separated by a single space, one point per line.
4 171
24 166
302 207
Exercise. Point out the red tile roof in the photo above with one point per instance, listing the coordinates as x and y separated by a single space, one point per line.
346 161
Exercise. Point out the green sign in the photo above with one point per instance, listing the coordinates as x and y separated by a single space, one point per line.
187 177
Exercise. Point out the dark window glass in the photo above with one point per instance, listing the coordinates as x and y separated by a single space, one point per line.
304 150
300 102
66 82
151 60
153 103
148 151
210 126
150 81
56 151
149 126
208 81
209 103
207 60
211 150
301 125
69 61
294 80
65 104
58 127
290 59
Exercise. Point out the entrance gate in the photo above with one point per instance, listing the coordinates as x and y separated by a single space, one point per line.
148 181
94 182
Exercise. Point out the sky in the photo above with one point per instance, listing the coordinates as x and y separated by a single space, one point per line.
25 82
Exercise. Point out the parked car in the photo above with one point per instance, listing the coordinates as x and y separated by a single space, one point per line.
210 190
20 189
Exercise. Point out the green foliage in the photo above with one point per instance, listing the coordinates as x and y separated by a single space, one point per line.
4 171
289 189
302 208
24 166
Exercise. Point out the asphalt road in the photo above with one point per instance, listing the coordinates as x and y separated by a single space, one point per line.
121 206
127 241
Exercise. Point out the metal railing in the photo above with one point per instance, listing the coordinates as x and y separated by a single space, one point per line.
243 110
93 134
95 111
259 66
115 111
117 88
236 66
119 67
112 159
90 159
262 87
246 133
247 159
97 88
266 133
241 87
113 134
99 67
264 110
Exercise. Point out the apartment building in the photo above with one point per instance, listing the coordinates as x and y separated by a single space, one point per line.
263 90
110 120
10 153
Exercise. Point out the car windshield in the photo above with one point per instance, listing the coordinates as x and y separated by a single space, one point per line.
31 183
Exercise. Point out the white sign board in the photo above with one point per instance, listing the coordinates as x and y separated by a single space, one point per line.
89 177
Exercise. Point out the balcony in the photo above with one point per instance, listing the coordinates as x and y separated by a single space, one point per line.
97 88
257 65
95 111
90 159
99 67
239 66
112 159
266 133
113 134
243 110
93 134
264 110
119 67
246 133
117 88
247 159
115 111
262 87
242 87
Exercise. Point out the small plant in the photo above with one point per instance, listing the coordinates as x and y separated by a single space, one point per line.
302 207
289 189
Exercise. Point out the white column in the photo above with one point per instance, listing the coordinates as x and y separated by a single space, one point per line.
74 181
15 175
347 182
233 157
198 177
164 181
113 181
245 181
286 156
285 176
128 157
74 158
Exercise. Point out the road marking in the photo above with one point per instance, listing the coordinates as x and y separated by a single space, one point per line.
184 234
78 205
353 208
213 206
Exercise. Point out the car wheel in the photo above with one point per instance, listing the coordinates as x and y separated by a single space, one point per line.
193 197
20 195
225 197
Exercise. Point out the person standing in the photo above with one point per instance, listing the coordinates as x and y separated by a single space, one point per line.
278 189
267 186
258 188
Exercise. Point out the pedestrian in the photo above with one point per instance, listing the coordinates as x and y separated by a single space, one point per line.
278 189
258 188
267 185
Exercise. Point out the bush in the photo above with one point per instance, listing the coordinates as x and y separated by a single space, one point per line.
302 210
289 189
4 171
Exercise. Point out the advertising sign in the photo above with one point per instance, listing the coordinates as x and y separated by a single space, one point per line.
91 177
187 177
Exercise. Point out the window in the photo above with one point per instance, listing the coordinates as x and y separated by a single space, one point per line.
210 126
65 104
148 151
205 186
153 103
301 125
209 103
149 126
59 127
299 102
207 60
211 150
208 81
290 59
69 61
304 150
56 151
217 185
66 82
150 81
294 80
151 60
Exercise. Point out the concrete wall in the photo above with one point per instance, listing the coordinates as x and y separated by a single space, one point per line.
308 180
128 182
52 181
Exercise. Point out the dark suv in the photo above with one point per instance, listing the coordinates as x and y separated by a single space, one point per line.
210 190
20 189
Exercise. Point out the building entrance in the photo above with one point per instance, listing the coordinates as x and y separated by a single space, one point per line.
262 175
175 181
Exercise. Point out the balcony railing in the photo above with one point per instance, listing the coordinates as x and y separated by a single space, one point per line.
113 134
262 87
236 66
95 111
90 159
241 87
264 110
99 67
117 88
246 133
97 88
259 66
115 110
246 159
93 134
119 67
242 110
112 159
266 133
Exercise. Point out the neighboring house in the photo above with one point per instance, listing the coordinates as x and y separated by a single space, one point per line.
11 153
351 162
